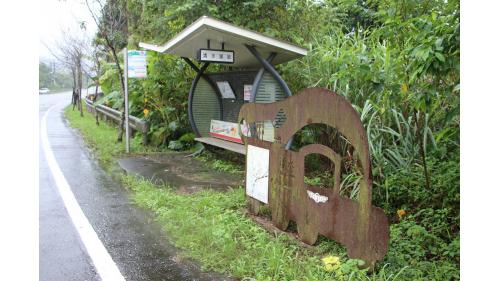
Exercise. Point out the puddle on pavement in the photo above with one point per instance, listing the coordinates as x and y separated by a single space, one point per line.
179 170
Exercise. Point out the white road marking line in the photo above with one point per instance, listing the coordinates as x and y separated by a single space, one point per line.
106 267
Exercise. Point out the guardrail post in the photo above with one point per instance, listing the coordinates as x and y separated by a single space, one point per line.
145 130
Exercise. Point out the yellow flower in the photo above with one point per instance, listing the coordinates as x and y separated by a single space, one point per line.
328 267
404 88
146 112
401 213
330 263
330 260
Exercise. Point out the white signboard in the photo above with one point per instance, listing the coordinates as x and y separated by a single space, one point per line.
220 56
247 92
225 90
257 173
137 65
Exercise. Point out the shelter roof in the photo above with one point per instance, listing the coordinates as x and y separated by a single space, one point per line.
194 37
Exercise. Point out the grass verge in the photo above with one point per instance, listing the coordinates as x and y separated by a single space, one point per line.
212 228
102 138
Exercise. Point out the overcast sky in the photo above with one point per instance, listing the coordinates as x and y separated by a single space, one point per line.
58 15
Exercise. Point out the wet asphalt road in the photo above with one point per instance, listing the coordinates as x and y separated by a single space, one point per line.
135 242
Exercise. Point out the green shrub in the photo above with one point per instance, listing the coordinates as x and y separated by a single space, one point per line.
427 255
406 188
186 141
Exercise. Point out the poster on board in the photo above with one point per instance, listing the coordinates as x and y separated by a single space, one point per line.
225 130
225 90
247 92
257 173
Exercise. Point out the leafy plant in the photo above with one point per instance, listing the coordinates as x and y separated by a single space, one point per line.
183 143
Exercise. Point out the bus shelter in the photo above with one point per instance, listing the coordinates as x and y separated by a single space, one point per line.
215 99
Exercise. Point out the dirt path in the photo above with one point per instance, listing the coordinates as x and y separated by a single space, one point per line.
179 170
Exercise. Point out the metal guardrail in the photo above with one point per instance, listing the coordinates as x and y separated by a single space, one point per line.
106 113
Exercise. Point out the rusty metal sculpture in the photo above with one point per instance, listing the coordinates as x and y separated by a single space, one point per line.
359 226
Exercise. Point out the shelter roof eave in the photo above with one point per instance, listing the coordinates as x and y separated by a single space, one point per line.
196 35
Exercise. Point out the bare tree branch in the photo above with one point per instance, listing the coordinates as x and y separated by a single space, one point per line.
71 51
111 21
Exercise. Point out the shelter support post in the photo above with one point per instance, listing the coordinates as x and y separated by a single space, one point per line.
270 69
268 66
258 78
193 66
199 74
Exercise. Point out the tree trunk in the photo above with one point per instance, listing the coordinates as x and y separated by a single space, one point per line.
122 83
79 73
73 94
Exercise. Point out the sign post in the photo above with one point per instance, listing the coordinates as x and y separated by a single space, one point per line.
135 67
127 140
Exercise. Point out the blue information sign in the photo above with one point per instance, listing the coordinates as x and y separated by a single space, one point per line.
137 65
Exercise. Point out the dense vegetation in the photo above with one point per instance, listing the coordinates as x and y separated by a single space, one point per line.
397 62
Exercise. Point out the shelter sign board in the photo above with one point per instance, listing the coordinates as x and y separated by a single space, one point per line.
219 56
137 65
257 178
